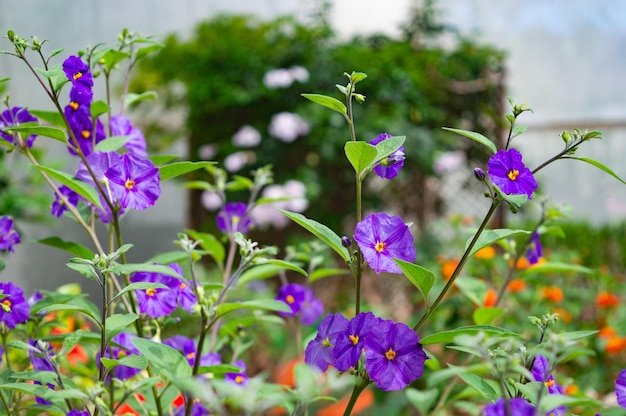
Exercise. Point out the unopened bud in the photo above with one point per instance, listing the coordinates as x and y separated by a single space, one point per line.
479 174
345 241
11 35
359 97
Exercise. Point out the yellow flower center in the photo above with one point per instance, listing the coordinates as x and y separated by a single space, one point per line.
380 246
74 105
130 184
6 305
513 174
354 339
150 292
326 343
391 354
239 379
235 220
290 299
191 355
182 286
549 383
86 134
77 75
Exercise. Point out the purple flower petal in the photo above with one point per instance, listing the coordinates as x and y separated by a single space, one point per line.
320 351
507 170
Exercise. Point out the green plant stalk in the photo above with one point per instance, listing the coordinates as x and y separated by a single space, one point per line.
356 392
494 205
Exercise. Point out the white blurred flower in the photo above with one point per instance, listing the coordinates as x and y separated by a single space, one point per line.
269 214
449 161
207 151
211 200
299 73
246 136
278 78
234 162
287 127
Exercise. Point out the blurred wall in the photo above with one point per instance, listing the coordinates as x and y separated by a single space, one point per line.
567 61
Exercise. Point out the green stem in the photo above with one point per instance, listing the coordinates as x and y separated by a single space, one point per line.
356 392
429 311
6 350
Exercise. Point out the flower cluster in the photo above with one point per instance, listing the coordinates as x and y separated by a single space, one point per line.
233 218
13 117
8 235
158 302
393 355
302 302
14 308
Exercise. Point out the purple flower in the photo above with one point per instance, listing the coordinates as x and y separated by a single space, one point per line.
535 250
382 238
13 117
40 361
512 407
136 144
239 378
351 342
100 162
135 182
157 302
301 300
75 412
125 347
186 346
507 170
8 235
541 374
320 351
389 167
186 295
82 126
14 309
58 206
393 355
620 388
233 218
78 73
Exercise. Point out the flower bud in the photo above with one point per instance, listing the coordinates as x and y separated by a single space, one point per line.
11 35
345 241
479 174
359 97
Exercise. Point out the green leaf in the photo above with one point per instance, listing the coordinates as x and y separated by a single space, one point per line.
132 98
180 168
93 315
143 267
117 323
326 272
552 401
361 155
598 165
71 340
445 337
138 286
52 117
98 108
146 50
263 304
515 201
472 288
328 102
388 146
486 315
46 131
112 144
475 136
210 243
169 257
69 246
164 359
422 278
476 382
320 231
132 361
306 383
357 77
111 57
489 237
267 269
83 189
556 267
423 400
86 270
574 335
161 159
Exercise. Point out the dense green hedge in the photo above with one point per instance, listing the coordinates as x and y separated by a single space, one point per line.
411 90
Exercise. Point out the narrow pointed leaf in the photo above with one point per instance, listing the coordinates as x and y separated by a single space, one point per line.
69 246
132 98
557 267
488 237
448 336
475 136
388 146
98 108
180 168
52 117
598 165
263 304
321 231
117 323
328 102
46 131
422 278
476 382
164 359
143 267
83 189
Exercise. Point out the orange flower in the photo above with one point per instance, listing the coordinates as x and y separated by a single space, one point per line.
516 285
607 300
570 389
552 293
78 355
615 345
178 401
284 374
365 400
522 263
607 332
564 315
125 409
448 267
485 253
490 298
